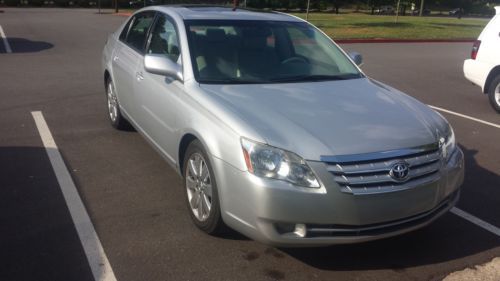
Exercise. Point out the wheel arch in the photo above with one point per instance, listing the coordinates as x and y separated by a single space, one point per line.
107 76
186 139
493 73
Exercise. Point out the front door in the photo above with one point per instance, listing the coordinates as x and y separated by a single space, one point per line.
158 96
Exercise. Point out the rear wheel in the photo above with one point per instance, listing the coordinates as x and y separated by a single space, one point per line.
115 117
201 190
494 93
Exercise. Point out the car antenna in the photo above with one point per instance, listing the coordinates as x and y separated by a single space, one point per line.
236 3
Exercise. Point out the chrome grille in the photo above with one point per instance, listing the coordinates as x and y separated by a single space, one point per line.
373 176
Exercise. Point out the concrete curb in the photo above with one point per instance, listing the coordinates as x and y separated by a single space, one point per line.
487 272
123 14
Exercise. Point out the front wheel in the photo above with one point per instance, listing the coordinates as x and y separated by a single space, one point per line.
494 93
201 190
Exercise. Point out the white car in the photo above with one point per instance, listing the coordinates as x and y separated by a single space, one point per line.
483 68
385 10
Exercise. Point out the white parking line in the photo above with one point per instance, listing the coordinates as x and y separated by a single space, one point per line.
5 41
477 221
98 261
466 116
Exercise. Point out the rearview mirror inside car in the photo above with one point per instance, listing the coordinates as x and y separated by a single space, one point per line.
356 57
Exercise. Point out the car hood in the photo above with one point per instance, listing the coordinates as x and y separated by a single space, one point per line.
328 118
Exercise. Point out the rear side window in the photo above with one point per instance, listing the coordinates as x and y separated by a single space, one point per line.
138 30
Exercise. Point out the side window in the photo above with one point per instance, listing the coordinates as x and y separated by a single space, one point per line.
164 39
123 35
136 36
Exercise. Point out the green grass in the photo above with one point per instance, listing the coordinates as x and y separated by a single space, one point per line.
362 26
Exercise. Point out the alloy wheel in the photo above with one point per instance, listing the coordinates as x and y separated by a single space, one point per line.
112 103
199 187
497 94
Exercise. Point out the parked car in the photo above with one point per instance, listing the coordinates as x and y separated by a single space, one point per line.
454 12
425 12
385 10
483 66
275 130
142 3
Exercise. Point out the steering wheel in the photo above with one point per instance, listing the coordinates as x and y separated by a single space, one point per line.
295 58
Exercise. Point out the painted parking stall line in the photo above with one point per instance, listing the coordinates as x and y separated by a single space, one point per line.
96 257
5 41
477 221
465 116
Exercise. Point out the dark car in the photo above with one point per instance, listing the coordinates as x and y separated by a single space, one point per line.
425 12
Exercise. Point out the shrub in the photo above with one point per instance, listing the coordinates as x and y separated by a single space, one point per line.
12 3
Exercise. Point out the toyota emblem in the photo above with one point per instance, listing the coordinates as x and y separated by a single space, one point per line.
400 171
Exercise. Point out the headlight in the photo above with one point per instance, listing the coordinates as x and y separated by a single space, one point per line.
270 162
448 144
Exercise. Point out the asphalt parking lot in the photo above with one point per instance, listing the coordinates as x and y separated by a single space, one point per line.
135 200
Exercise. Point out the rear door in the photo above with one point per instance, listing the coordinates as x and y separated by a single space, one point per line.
127 55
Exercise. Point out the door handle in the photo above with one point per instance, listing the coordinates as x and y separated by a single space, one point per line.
115 58
139 76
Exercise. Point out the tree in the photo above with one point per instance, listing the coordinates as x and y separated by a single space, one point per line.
337 4
377 3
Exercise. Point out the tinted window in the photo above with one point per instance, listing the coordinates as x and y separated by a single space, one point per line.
164 39
136 36
123 35
243 51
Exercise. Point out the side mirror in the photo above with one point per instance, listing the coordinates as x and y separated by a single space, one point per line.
159 64
356 57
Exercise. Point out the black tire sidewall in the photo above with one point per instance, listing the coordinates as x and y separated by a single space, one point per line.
119 123
213 223
491 93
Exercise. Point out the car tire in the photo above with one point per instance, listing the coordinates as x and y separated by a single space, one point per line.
115 117
202 196
494 93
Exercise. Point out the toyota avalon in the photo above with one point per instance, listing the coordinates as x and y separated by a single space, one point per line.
275 130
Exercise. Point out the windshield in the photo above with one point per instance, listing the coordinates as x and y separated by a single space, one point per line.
240 51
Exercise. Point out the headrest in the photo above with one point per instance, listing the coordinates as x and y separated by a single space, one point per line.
256 32
216 34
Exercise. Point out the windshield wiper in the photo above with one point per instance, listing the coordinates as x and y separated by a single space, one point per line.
314 78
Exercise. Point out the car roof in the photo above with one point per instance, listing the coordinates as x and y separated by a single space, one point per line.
202 12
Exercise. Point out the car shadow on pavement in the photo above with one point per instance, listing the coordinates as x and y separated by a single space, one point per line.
37 235
448 238
481 189
22 45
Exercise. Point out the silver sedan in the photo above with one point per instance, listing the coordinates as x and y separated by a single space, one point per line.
275 130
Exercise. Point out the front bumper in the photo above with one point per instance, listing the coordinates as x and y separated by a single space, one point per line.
255 206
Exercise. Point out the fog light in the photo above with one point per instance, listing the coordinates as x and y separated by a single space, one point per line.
300 230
